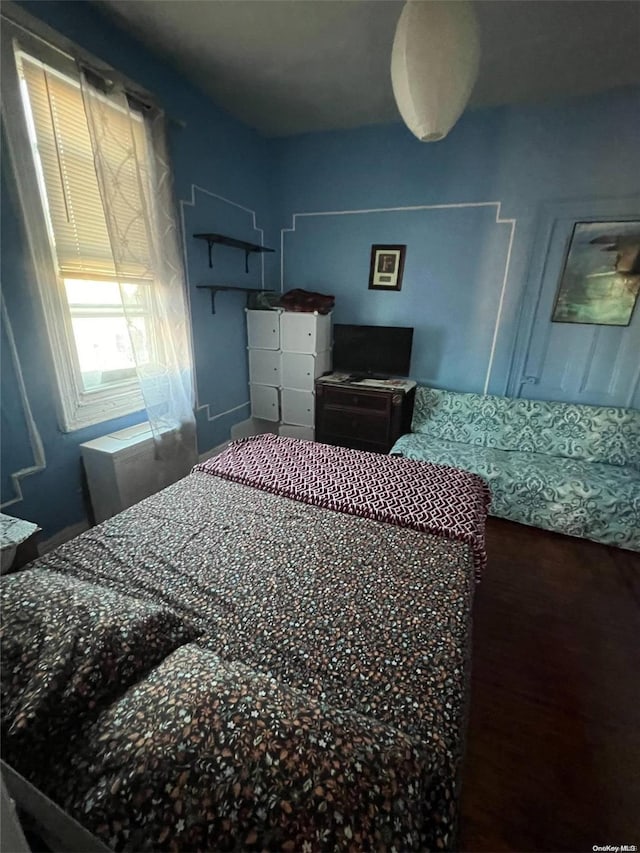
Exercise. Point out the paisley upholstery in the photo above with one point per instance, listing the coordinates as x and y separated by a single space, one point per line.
566 467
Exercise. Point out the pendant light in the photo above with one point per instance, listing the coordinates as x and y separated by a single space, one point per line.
434 64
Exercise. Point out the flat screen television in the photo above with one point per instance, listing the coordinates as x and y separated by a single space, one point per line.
376 352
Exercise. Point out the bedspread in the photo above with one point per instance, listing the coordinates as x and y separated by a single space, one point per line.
320 707
420 495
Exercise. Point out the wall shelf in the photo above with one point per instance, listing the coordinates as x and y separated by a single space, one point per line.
248 248
214 288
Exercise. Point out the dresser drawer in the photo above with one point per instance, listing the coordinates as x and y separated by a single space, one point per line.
350 399
364 425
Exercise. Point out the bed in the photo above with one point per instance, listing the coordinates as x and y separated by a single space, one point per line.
271 654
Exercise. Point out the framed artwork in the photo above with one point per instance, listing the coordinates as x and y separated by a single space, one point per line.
387 266
601 275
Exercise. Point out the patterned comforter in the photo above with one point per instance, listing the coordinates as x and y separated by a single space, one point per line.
421 495
221 668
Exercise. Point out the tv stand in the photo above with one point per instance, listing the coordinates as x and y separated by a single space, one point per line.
365 414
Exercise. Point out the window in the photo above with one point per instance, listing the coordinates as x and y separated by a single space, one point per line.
102 331
95 315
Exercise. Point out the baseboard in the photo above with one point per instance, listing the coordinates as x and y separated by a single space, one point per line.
63 536
213 452
250 426
253 426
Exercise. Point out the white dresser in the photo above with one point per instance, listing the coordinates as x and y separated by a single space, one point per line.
287 351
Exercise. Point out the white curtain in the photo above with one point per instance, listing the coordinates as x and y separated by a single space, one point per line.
134 177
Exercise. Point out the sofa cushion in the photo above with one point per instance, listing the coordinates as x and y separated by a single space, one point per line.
457 454
589 433
453 417
588 499
574 431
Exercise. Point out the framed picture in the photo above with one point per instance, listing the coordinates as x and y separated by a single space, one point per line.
387 265
601 275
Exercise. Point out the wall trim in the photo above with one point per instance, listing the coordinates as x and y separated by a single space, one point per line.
206 407
499 221
211 417
37 448
230 411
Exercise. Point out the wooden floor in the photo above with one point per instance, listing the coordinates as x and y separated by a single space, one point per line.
553 756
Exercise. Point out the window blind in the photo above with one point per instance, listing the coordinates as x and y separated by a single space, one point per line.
73 200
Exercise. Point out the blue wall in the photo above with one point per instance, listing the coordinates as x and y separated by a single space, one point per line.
479 300
485 215
213 152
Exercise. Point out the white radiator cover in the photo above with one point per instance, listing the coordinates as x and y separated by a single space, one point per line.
122 469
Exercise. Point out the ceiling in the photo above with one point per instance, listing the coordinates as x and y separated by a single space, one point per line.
295 66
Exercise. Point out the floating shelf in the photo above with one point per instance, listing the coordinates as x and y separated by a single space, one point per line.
248 248
214 288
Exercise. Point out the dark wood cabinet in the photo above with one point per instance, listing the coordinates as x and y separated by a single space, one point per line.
363 417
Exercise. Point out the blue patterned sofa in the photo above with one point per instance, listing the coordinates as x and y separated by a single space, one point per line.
570 468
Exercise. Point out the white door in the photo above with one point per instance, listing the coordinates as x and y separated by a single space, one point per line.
302 332
298 407
264 403
264 367
299 370
263 329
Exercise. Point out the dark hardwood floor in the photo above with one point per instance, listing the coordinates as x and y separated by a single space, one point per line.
553 755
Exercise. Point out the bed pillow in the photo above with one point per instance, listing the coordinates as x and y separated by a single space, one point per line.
70 646
208 754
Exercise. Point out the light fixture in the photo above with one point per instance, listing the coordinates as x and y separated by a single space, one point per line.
434 64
